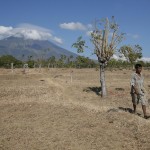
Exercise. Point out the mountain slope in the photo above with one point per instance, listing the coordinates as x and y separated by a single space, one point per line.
19 47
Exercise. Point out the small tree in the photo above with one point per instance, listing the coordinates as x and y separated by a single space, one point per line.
104 45
52 61
6 60
62 60
131 53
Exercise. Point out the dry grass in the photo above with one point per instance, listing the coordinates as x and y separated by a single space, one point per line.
46 111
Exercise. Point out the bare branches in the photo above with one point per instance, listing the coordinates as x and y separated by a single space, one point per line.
104 43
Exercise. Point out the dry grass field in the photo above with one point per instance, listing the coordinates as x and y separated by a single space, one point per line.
48 110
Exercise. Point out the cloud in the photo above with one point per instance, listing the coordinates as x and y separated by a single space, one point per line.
28 31
88 33
4 29
73 26
31 26
145 59
133 36
5 32
115 57
58 40
119 58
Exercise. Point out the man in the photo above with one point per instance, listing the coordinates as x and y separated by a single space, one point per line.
137 90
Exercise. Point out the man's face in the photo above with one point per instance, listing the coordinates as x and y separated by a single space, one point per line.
139 69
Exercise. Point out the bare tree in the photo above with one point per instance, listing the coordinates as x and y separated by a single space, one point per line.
105 37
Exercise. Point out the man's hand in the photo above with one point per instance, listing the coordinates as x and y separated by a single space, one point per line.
143 90
136 89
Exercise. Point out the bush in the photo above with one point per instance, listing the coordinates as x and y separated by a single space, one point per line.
6 60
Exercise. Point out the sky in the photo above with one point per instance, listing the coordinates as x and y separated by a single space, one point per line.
63 21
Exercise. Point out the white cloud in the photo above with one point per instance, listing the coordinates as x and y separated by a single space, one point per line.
88 33
31 26
115 57
28 31
119 58
145 59
58 40
73 26
31 34
5 29
5 32
133 36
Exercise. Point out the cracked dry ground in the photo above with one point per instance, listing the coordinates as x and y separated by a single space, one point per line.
46 111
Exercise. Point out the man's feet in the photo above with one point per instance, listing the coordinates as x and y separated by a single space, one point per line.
134 112
146 117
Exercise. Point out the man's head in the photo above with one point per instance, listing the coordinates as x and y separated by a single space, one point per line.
138 68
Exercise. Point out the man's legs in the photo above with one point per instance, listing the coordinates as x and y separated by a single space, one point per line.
134 101
134 108
144 111
143 102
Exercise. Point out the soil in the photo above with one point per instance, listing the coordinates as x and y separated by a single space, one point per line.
62 109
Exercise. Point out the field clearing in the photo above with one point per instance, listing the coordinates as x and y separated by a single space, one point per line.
61 109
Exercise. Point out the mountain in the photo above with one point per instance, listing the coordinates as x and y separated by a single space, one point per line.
20 47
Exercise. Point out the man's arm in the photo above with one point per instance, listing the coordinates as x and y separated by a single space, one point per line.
136 89
134 85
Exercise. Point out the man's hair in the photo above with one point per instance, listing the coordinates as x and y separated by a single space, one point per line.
138 66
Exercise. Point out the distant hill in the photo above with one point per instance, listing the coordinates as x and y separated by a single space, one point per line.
19 47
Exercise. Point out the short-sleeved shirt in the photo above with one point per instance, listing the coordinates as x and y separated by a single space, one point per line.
137 81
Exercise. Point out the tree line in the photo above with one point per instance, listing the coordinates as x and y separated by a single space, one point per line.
64 62
51 62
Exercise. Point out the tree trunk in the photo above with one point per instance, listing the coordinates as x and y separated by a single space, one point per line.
133 67
102 80
12 67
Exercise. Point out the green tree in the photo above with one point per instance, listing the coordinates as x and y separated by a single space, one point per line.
81 62
104 45
62 60
30 61
71 60
131 53
6 60
52 60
